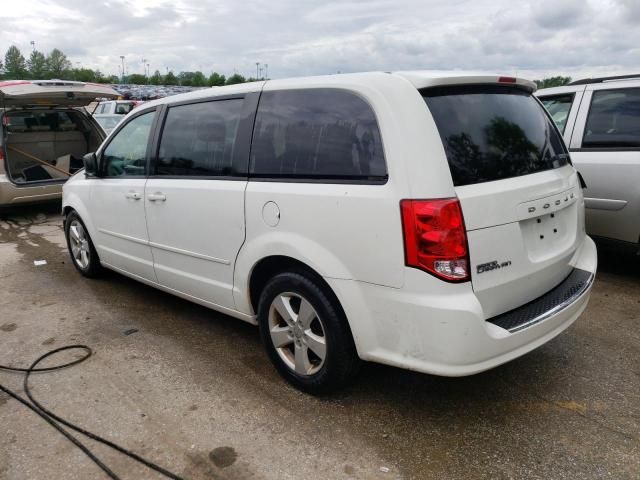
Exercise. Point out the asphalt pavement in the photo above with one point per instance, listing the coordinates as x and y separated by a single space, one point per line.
193 390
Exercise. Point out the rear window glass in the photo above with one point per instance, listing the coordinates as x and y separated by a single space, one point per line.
317 134
614 119
558 107
44 121
494 132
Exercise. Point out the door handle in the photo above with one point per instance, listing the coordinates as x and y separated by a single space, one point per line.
156 197
133 195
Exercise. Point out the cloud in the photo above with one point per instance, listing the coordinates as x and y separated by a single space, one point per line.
306 37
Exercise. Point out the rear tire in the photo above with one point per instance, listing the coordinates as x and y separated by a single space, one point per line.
306 334
83 253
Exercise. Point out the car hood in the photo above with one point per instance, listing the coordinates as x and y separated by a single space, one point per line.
24 93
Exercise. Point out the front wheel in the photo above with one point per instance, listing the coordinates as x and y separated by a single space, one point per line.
305 334
83 253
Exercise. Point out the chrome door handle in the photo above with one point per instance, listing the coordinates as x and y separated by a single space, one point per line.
133 195
156 197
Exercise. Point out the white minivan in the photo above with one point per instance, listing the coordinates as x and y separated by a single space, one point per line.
429 221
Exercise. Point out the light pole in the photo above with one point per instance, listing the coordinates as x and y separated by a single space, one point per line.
144 68
266 71
257 69
122 59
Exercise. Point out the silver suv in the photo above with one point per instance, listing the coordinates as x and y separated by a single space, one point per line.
44 135
600 122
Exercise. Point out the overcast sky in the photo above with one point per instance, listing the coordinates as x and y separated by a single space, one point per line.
534 39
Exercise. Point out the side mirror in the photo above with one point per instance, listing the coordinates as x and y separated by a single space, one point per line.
90 164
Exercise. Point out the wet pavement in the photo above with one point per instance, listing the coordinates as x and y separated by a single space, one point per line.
192 389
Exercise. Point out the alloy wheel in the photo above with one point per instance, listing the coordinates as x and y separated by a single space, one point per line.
79 243
297 333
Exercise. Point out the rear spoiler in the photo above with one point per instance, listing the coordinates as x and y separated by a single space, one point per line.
441 79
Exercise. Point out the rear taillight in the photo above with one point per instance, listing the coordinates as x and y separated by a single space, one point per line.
435 239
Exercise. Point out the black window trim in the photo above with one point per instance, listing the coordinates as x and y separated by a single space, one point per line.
556 95
154 124
323 179
243 137
582 148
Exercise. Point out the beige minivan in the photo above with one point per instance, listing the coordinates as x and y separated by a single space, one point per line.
45 133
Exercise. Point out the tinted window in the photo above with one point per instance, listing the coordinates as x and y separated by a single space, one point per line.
558 107
316 133
198 139
44 121
614 119
122 108
127 152
491 133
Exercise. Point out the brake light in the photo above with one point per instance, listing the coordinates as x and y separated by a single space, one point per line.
507 80
435 239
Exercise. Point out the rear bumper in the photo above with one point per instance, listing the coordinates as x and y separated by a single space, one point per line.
444 332
11 194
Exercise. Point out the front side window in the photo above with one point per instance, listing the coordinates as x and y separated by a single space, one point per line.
614 119
316 134
558 107
493 132
198 139
126 154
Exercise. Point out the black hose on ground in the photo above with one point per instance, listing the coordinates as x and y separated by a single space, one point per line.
57 422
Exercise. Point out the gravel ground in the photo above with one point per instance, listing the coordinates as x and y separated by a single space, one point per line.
192 389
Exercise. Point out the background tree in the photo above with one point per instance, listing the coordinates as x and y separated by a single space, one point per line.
186 78
199 80
137 79
553 82
216 80
84 75
170 79
37 65
156 78
58 65
235 78
14 63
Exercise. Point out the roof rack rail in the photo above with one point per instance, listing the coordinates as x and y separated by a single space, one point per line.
587 81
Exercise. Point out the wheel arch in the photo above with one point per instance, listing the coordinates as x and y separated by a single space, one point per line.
73 202
270 266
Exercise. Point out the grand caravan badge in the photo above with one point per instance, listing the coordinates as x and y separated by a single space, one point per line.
494 265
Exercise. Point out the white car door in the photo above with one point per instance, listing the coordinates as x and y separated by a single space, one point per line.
605 147
117 204
195 196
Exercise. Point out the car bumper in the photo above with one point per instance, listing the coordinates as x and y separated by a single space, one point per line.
11 194
445 332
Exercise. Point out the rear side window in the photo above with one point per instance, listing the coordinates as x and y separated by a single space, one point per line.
614 119
558 107
198 139
326 134
494 132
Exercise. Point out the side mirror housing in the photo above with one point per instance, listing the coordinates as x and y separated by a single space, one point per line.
90 164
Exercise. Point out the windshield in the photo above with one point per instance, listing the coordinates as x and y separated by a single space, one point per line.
494 132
